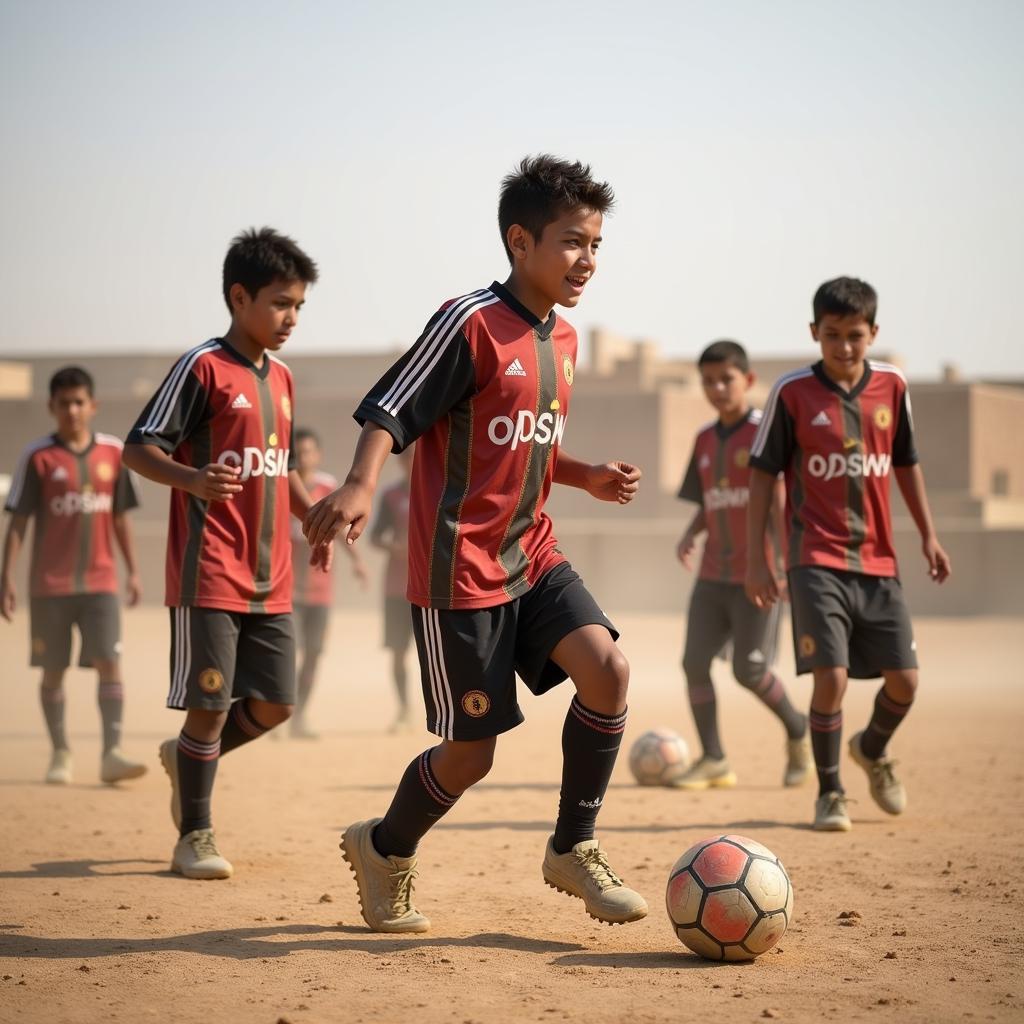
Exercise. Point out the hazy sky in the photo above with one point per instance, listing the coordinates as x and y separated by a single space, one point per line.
755 148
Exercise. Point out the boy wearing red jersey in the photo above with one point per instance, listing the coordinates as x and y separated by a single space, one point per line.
72 483
486 390
218 432
313 592
837 429
717 479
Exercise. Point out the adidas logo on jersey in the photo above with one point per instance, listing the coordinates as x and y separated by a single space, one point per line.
821 420
241 402
60 473
515 369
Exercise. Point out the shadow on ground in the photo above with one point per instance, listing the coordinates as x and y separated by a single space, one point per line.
266 942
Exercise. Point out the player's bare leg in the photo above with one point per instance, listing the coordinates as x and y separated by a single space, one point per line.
826 721
403 721
51 697
574 862
382 851
114 766
868 748
306 679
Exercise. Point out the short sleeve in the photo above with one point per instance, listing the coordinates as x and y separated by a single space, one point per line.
385 521
174 413
775 439
26 488
126 496
423 386
691 489
904 449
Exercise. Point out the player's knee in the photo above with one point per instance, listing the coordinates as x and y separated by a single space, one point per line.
271 715
747 673
615 677
902 685
829 688
466 763
696 667
53 679
108 669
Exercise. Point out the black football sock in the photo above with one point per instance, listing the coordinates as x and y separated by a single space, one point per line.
52 700
885 719
240 727
110 696
704 708
590 744
826 736
770 691
197 768
419 802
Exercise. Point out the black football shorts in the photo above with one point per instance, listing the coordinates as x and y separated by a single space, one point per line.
469 659
850 620
51 619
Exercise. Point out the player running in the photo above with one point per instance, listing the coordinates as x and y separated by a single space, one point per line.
72 483
218 432
486 390
717 479
837 429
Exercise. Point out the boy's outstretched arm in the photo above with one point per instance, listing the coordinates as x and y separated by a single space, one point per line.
214 482
12 547
911 483
349 506
761 585
609 481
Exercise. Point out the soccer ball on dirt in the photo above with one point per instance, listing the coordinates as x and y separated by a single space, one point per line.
658 758
729 898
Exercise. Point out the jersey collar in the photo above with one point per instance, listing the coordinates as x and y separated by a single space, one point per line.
260 371
724 433
85 451
542 327
819 372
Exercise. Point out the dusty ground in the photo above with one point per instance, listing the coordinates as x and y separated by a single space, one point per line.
93 927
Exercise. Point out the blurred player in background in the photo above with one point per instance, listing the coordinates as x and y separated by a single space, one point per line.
218 432
390 533
72 483
486 390
717 479
313 592
837 429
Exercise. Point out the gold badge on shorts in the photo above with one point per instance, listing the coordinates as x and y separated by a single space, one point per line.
286 407
807 645
105 471
476 703
883 417
210 680
567 369
742 458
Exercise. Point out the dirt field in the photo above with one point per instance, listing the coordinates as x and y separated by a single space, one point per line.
94 928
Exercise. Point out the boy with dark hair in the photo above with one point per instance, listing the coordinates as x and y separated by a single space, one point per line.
72 482
837 429
218 432
313 592
717 479
390 534
486 390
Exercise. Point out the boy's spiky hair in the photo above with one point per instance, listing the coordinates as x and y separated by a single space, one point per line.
543 188
846 296
72 377
726 351
259 256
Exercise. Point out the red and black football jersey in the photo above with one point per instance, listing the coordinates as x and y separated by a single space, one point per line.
837 449
217 406
311 585
718 478
73 497
486 390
